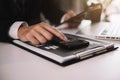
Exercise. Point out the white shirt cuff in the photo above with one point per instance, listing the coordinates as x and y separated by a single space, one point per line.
13 32
63 18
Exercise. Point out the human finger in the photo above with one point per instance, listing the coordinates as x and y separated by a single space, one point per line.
41 30
55 32
32 39
39 36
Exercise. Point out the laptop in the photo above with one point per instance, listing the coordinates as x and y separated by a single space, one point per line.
62 55
111 31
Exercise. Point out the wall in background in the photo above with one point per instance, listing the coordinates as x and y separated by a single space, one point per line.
75 5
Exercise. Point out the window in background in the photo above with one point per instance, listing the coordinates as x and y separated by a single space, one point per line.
111 9
76 5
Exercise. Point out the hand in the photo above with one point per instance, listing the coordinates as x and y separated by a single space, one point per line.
69 15
39 33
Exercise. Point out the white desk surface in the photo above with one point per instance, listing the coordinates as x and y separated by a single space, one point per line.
18 64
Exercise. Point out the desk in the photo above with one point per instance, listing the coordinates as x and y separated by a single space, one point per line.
18 64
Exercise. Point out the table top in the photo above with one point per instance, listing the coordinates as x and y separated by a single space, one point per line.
19 64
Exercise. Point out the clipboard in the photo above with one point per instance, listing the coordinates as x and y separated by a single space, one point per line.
66 57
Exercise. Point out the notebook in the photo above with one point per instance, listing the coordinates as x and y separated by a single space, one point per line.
65 56
111 31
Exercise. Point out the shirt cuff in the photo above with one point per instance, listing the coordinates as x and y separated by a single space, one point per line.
63 18
13 32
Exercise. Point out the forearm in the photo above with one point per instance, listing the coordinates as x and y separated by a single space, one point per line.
9 29
13 31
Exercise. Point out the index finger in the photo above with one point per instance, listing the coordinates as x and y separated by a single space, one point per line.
55 32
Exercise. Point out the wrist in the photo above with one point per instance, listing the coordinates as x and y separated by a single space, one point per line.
13 32
21 31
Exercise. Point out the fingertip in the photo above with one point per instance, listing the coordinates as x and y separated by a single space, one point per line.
65 38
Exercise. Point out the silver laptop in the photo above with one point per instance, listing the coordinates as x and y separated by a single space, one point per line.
111 31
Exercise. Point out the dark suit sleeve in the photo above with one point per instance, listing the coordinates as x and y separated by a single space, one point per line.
5 21
52 11
17 10
26 10
4 29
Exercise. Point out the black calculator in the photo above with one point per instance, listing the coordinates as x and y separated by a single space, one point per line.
72 42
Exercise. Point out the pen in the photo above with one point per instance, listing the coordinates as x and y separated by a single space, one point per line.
95 52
